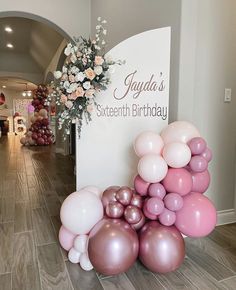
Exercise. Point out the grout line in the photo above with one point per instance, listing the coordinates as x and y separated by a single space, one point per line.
234 276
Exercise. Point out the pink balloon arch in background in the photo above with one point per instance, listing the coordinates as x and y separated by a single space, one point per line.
109 230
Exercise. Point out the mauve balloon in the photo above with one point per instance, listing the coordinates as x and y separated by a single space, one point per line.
113 246
132 214
155 205
161 248
124 195
109 195
198 164
140 185
114 209
147 213
167 217
207 154
173 201
197 145
157 190
137 200
201 181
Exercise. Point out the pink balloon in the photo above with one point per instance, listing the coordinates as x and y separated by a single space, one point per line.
155 205
201 181
207 154
157 190
198 164
109 195
140 224
197 145
114 209
167 217
124 195
148 142
66 238
140 185
132 214
178 180
197 218
147 214
179 131
152 168
173 201
176 154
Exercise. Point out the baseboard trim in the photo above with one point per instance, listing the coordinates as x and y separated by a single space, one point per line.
227 216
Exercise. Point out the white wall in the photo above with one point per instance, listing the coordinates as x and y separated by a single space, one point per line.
71 16
207 67
10 95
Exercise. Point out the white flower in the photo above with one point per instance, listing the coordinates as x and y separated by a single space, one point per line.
66 85
57 74
79 77
108 58
99 18
68 49
98 70
69 104
87 85
104 32
64 69
112 69
97 47
72 88
74 70
98 27
103 42
104 21
73 58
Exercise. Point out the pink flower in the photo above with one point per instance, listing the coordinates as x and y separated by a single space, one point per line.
89 93
71 78
98 60
79 54
63 98
90 108
69 104
72 96
90 73
64 77
79 92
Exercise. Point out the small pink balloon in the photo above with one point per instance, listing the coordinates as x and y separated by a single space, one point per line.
132 214
198 164
201 181
147 214
207 154
157 190
197 145
136 200
173 201
66 238
197 218
114 209
109 195
178 180
140 224
167 217
155 205
124 195
141 186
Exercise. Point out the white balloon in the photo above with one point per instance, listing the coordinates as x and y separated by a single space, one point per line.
81 243
176 154
148 142
94 189
85 262
74 256
80 212
179 131
152 168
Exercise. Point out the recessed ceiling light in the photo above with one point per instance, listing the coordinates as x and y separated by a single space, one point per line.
4 86
8 29
9 45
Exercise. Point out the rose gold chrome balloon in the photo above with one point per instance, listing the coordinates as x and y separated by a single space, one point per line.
109 195
124 195
114 209
132 214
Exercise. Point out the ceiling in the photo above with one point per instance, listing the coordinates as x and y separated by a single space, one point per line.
16 84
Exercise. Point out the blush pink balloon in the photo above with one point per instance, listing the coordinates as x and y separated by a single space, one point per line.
178 180
179 131
207 154
155 205
201 181
198 164
167 217
197 145
152 168
197 218
176 154
157 190
173 201
147 214
141 186
66 238
148 142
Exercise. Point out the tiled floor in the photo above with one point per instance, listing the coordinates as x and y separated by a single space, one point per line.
33 183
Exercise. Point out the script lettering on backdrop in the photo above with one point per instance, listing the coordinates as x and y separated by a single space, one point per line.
137 100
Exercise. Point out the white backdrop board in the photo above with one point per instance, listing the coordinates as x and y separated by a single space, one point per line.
137 100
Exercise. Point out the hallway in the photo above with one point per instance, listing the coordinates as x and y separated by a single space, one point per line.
33 183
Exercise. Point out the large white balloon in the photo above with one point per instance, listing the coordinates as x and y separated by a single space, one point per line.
148 142
80 212
81 243
176 154
85 263
74 256
179 131
152 168
94 189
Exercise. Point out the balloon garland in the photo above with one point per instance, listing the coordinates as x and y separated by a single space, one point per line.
108 230
39 132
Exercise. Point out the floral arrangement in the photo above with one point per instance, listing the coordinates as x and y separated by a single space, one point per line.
85 73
